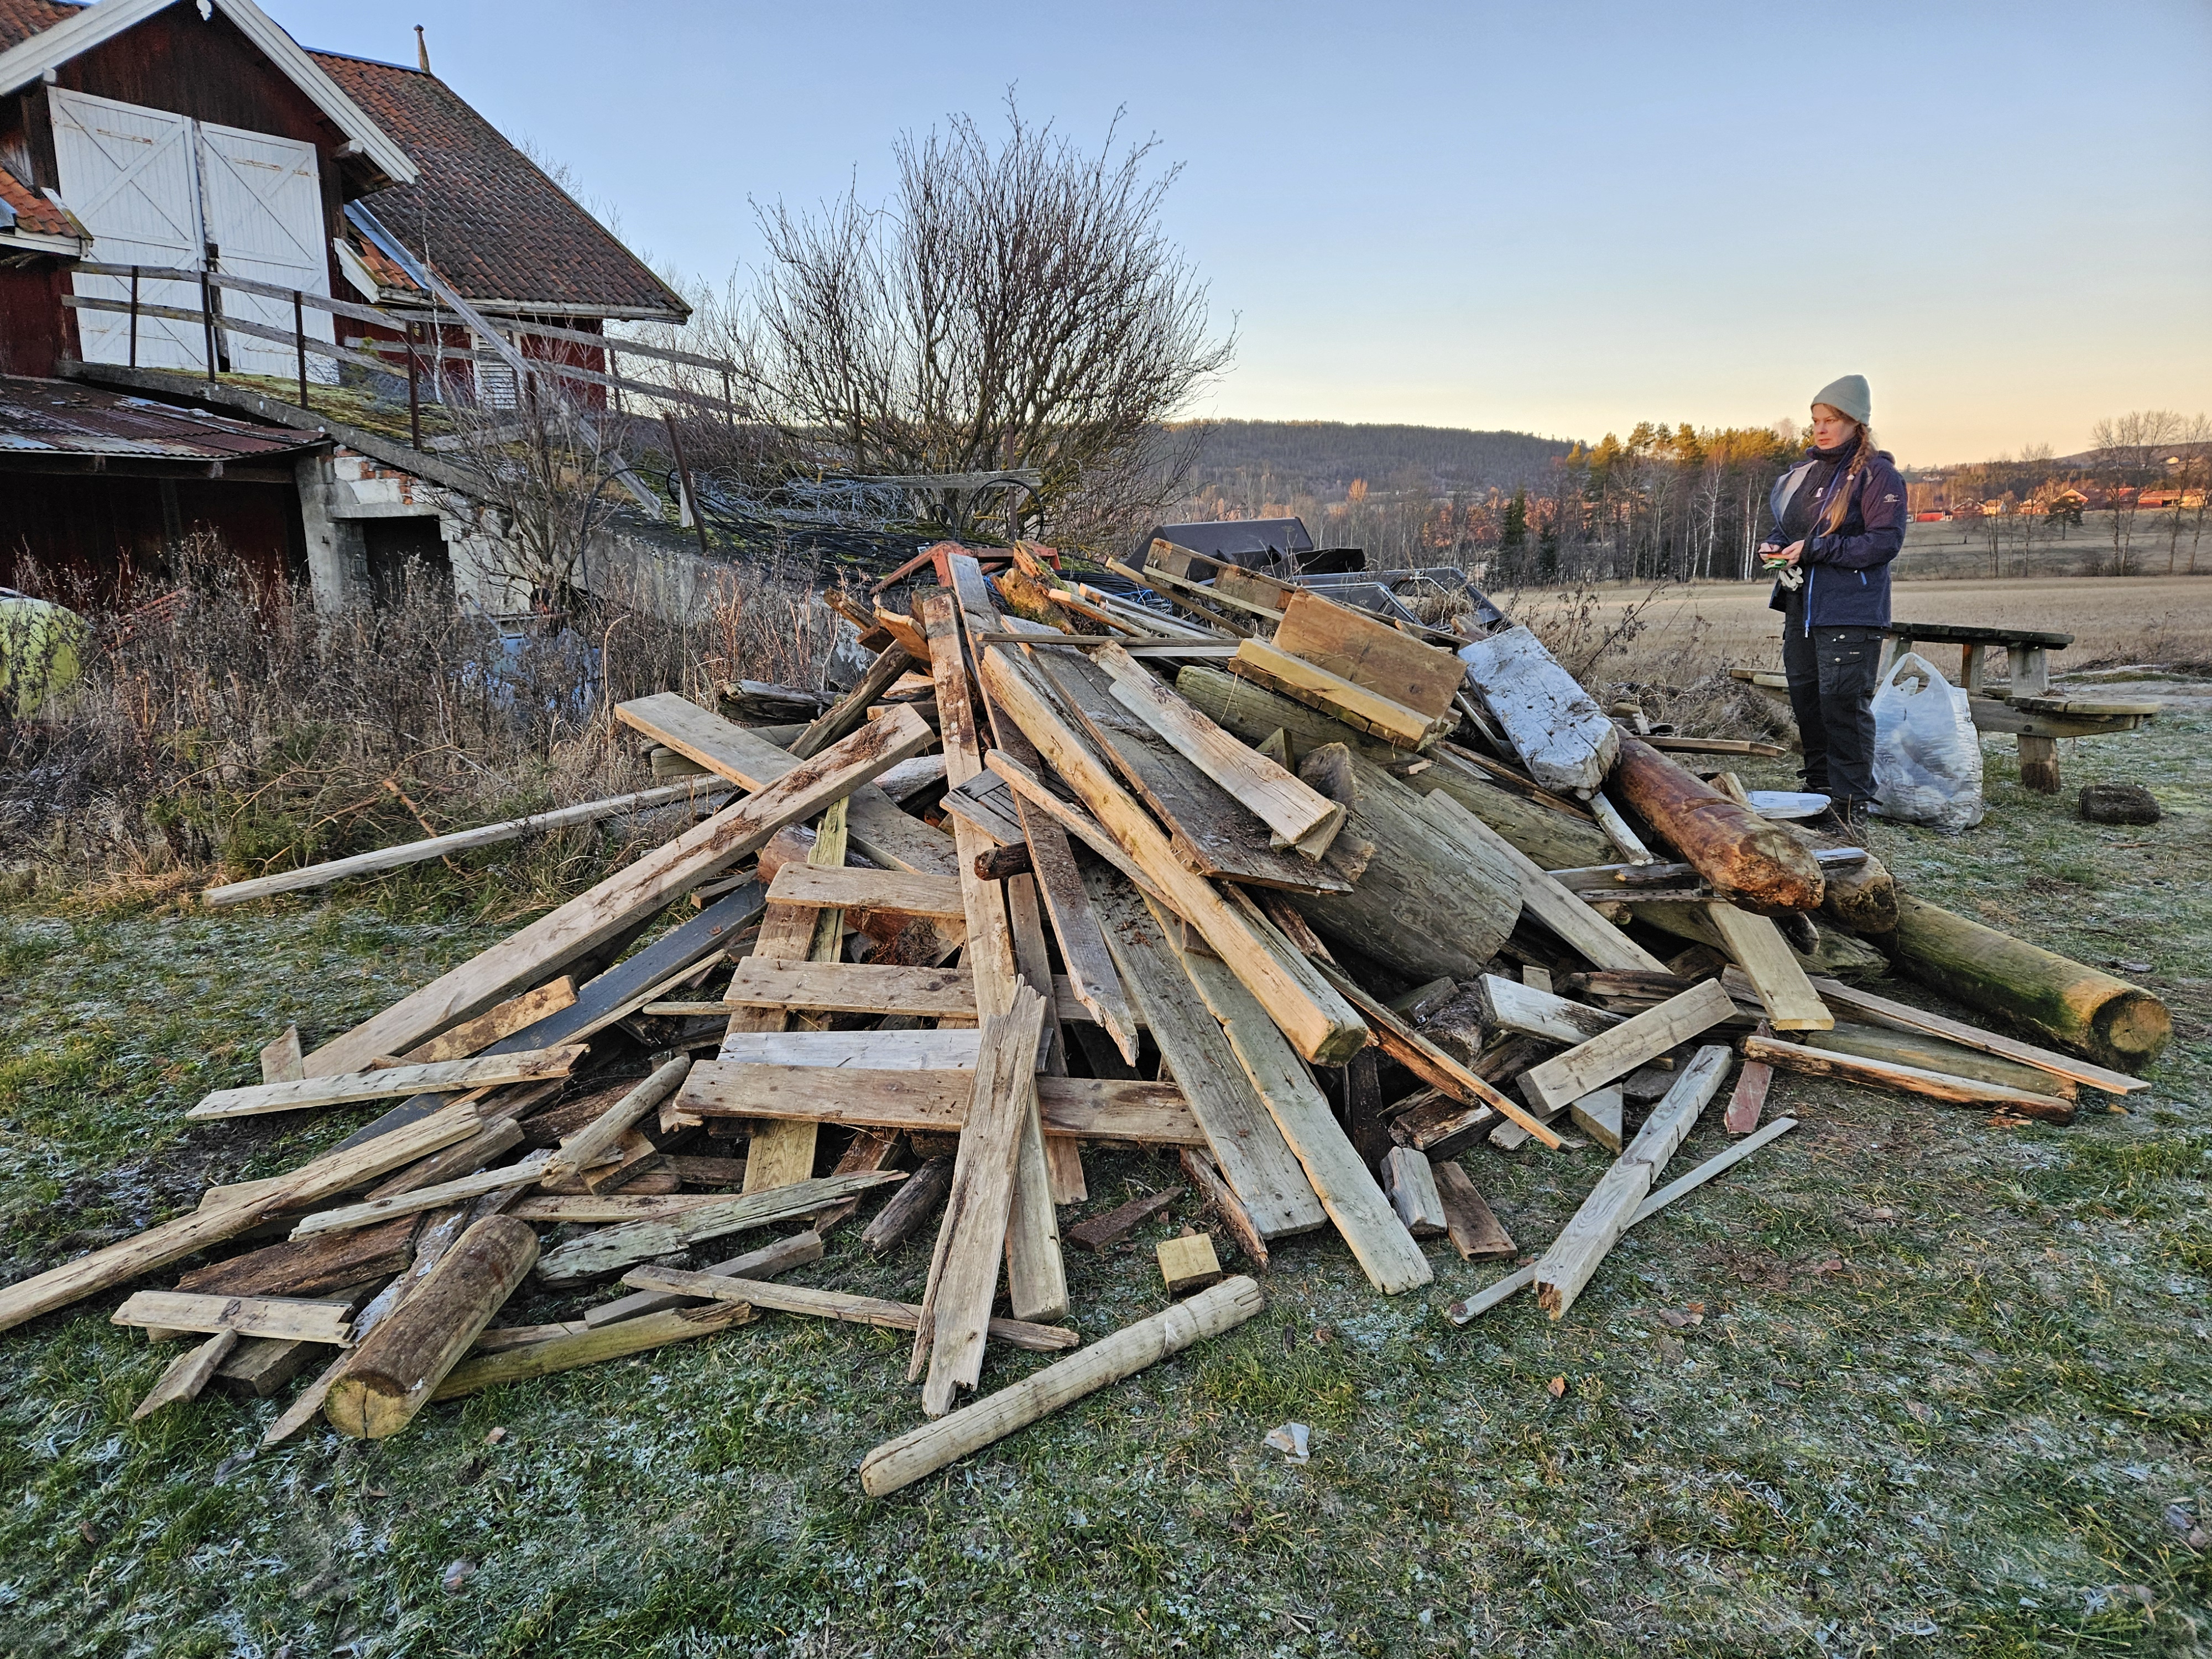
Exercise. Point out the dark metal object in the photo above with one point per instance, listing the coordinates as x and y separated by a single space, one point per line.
300 342
207 322
133 316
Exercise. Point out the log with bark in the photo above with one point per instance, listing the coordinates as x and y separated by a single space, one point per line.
1753 864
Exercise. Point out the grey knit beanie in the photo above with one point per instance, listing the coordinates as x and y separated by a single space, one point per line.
1850 394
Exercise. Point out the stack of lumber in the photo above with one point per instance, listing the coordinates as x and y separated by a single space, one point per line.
1308 903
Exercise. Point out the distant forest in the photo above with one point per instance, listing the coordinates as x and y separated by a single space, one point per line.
1251 458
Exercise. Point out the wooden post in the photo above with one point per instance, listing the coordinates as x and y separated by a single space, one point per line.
207 322
683 479
299 344
133 316
414 391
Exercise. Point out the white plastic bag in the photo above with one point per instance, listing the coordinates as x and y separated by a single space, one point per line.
1927 755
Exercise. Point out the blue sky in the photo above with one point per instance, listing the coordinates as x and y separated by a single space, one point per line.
1555 218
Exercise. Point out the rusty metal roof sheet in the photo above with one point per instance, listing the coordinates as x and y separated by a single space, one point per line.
59 417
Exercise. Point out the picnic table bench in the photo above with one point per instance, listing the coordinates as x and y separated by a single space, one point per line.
2023 707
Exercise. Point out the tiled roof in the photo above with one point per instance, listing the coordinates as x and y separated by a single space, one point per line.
34 214
62 417
21 19
496 227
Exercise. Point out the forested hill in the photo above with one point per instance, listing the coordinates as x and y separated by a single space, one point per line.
1321 458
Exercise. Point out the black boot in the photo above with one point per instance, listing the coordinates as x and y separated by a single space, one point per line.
1850 821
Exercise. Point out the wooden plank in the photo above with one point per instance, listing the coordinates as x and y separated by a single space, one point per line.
1574 1256
1932 1053
909 1207
876 1311
188 1375
525 1174
627 898
1750 1096
846 888
1212 831
1907 1080
842 987
1565 740
310 1268
956 1307
1528 1012
936 1050
1598 1115
1254 1157
1901 1016
1757 944
1576 925
1297 814
1412 1186
473 1036
1474 1230
442 1077
605 1209
1324 1030
585 1147
1097 1232
1558 1082
922 1452
1036 1281
280 1060
294 1319
1355 705
1386 1252
1356 647
591 1348
934 1100
766 1262
614 1248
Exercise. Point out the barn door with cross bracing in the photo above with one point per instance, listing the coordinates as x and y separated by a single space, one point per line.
261 198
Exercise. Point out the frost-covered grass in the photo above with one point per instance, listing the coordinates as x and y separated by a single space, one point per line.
1906 1382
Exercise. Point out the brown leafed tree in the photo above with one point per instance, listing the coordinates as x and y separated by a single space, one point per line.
1016 305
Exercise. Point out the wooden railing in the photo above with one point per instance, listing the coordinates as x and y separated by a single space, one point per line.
421 342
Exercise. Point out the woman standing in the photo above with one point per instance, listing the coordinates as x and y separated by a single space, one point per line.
1839 518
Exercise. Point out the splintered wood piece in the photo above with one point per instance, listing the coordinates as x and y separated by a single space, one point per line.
1565 740
1750 1096
281 1063
527 1173
1598 1115
868 1150
591 1348
1324 1030
445 1077
1606 1213
1473 1229
1188 1263
965 1273
1529 1012
1757 944
628 898
910 1207
766 1262
187 1375
585 1147
836 1304
1225 1203
922 1451
309 1266
487 1146
1353 704
1253 1157
1558 1082
1907 1080
1413 1189
1117 1224
517 1013
848 888
934 1100
1298 815
613 1249
248 1315
1577 926
1356 647
393 1372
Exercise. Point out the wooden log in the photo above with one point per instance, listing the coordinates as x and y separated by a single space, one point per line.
1463 1312
766 1262
963 1274
1411 1187
591 1348
1753 864
1907 1080
309 1266
1474 1230
842 1305
1118 1223
628 898
586 1147
911 1205
398 1365
1367 651
1564 739
294 1319
1324 1030
1574 1256
922 1451
2117 1025
1558 1082
1859 895
156 1248
1005 863
444 1077
1757 944
1903 1017
613 1249
1932 1053
934 1100
187 1375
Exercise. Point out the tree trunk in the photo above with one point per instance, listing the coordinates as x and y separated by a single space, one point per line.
2111 1021
392 1374
1751 863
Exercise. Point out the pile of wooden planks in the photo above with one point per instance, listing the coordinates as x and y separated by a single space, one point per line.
1306 902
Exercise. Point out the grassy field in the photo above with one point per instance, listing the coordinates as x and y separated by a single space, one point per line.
1907 1382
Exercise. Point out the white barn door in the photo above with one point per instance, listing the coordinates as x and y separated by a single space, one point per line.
262 201
131 175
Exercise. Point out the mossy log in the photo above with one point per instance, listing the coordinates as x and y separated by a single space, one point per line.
1751 864
2078 1007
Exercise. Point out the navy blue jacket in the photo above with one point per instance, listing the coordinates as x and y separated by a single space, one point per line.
1847 574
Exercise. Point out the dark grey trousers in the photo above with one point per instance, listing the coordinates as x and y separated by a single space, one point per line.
1831 677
